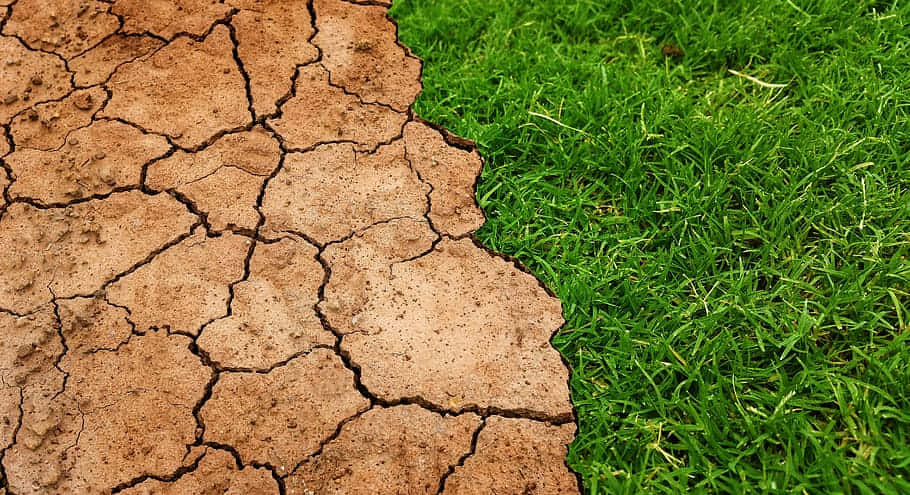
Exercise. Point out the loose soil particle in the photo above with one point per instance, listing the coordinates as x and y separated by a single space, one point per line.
20 65
46 126
235 262
65 27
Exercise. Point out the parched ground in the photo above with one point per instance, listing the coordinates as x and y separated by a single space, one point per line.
234 261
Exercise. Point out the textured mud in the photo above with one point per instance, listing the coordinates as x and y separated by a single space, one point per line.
235 262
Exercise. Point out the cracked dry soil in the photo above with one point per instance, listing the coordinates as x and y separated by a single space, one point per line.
234 261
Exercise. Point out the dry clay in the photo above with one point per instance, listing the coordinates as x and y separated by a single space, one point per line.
235 262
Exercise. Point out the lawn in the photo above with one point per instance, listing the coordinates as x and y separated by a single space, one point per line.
726 220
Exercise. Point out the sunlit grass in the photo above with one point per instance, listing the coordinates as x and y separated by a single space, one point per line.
728 230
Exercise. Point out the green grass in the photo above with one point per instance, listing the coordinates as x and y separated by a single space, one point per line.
732 258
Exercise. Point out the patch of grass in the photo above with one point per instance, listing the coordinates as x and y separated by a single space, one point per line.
731 257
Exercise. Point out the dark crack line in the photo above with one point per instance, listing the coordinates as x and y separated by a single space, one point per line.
39 50
58 324
224 21
450 139
405 51
128 61
120 23
256 237
148 259
206 395
461 460
40 205
372 3
292 93
232 32
280 364
8 14
79 433
170 139
66 137
331 438
359 97
4 480
176 475
354 233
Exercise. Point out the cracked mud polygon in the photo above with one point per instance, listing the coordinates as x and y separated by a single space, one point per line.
234 261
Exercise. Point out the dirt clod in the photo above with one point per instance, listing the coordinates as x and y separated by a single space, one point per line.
379 187
250 411
374 454
224 180
162 93
320 113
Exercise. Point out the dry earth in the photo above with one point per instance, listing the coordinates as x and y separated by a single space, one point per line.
234 261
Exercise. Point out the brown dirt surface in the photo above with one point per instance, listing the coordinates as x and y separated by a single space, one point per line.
168 18
96 160
381 186
273 315
451 172
224 180
96 65
283 416
64 252
186 286
214 473
320 113
385 449
363 55
420 328
516 456
23 69
189 90
273 38
64 27
235 262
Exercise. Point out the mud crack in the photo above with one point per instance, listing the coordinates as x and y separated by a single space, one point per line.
236 261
